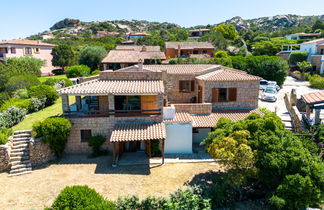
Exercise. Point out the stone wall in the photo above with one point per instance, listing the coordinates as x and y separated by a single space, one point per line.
316 61
290 102
194 108
247 94
5 156
39 152
173 90
85 79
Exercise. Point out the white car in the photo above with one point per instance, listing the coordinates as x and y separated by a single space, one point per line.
269 94
263 84
273 84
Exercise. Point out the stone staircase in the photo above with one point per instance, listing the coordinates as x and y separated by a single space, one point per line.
19 155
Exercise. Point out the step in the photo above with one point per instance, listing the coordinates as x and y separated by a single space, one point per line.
21 139
22 135
20 145
21 149
18 170
19 158
27 165
18 162
21 173
18 154
22 131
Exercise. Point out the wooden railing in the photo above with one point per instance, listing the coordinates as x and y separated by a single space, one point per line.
116 113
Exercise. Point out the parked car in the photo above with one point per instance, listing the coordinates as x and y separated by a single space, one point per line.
269 94
273 84
263 84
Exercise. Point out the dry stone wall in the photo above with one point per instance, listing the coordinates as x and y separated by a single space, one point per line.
40 152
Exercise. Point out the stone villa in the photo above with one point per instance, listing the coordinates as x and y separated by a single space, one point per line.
188 49
172 105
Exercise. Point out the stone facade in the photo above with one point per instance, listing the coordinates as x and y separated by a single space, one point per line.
174 53
173 90
316 61
201 108
4 157
247 94
40 153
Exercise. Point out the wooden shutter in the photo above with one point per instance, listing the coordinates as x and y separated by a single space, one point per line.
192 85
215 93
232 94
180 86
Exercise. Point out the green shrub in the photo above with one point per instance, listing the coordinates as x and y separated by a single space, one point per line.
316 81
297 56
81 197
12 116
297 72
58 71
21 94
61 82
96 142
95 72
4 135
130 202
221 54
36 104
23 104
78 71
21 81
55 131
44 91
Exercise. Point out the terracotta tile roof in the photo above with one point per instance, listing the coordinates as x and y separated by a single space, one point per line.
102 86
210 120
183 69
189 45
124 56
26 42
316 41
180 117
201 29
128 42
227 74
315 97
138 48
138 132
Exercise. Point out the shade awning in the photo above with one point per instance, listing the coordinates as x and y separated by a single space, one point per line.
138 132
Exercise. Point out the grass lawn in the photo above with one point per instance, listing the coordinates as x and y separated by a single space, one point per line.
43 79
55 109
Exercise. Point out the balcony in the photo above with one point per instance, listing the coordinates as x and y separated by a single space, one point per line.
116 113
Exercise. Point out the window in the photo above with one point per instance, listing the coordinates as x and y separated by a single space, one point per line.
13 50
128 102
195 130
36 50
85 135
224 94
322 51
28 51
195 52
186 86
204 52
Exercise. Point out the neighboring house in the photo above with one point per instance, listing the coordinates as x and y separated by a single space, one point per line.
314 48
125 56
106 33
30 48
176 105
188 49
137 35
128 42
47 36
298 36
197 33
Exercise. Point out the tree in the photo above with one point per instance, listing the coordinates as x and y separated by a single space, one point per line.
297 56
229 32
25 65
92 56
271 47
78 71
222 58
304 66
216 38
63 56
318 25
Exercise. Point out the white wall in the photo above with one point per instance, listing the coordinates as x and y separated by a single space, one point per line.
178 138
201 135
310 48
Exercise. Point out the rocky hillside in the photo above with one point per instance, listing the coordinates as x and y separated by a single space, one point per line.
273 23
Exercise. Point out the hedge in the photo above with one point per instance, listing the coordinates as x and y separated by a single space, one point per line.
78 71
297 56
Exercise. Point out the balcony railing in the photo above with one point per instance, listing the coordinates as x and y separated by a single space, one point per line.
116 113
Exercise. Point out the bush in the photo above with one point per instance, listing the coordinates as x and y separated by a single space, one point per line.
78 71
96 142
81 197
36 104
22 81
22 104
316 81
297 56
44 91
95 72
58 71
26 64
12 116
61 83
55 131
297 72
21 94
4 135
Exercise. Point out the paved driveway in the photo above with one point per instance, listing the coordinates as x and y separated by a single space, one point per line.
279 106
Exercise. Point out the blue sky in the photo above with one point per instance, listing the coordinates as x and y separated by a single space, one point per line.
21 18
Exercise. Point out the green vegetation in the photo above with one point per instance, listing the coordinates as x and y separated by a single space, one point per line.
55 131
259 148
43 79
4 135
95 142
316 81
80 197
92 56
63 56
297 56
44 91
229 32
78 71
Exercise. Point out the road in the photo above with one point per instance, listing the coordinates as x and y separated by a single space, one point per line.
279 106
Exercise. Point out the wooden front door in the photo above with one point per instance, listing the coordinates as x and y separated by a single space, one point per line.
200 89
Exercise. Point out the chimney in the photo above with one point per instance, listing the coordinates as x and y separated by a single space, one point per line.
144 49
140 64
